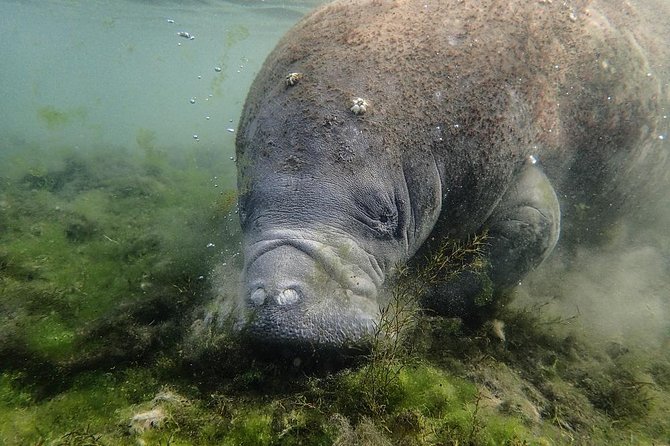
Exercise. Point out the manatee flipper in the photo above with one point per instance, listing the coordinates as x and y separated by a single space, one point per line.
522 231
523 228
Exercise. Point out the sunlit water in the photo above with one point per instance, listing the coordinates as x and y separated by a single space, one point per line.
109 72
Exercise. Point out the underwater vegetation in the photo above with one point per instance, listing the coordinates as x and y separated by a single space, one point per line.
105 261
98 254
55 118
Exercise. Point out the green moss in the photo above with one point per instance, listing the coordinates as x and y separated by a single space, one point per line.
660 370
55 118
252 428
617 393
89 234
50 337
427 403
432 391
507 431
146 139
101 255
86 407
300 426
11 394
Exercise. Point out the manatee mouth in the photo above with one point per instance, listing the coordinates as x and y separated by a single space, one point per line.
304 292
334 327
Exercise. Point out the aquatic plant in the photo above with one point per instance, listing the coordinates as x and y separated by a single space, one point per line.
56 118
396 335
86 250
101 258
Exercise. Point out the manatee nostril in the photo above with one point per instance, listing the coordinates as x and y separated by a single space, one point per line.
287 297
258 297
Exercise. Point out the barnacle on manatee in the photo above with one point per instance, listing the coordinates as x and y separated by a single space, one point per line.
359 106
292 79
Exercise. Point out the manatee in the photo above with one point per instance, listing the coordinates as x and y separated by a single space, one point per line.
377 129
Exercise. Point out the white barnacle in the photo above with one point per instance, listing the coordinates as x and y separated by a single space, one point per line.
292 79
359 106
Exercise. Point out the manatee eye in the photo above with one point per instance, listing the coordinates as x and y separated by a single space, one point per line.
385 224
378 212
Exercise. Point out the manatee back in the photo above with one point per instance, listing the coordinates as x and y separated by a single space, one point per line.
476 88
612 157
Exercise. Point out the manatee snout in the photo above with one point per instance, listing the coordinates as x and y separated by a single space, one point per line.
277 277
306 293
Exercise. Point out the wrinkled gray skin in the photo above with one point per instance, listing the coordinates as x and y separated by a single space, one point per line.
482 116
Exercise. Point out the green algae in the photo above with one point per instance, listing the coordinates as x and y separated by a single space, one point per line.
84 237
104 259
55 118
233 36
146 139
426 406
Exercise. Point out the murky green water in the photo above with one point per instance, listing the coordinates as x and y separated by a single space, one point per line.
117 73
117 202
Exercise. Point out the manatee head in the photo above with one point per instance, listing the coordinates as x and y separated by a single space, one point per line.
338 183
326 213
